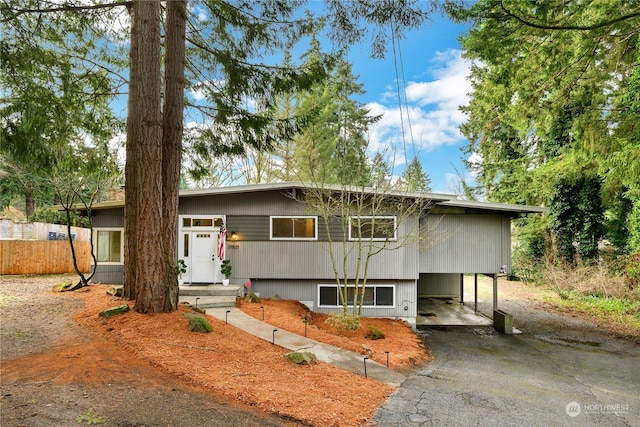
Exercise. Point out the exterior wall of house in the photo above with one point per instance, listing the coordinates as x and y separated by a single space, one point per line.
108 218
439 284
459 243
110 273
311 259
466 243
254 254
276 202
307 291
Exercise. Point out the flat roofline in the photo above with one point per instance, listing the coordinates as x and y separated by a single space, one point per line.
445 200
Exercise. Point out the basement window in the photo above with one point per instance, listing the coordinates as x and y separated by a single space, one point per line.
374 296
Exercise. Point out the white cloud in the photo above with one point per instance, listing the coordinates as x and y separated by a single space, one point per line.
199 91
475 162
432 117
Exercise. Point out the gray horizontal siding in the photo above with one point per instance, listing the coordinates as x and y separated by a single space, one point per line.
466 244
310 260
307 290
256 203
108 218
111 274
249 227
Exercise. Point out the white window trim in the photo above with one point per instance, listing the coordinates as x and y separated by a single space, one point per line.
315 218
379 285
200 228
95 241
395 228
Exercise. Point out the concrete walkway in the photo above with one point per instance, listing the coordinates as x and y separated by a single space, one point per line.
326 353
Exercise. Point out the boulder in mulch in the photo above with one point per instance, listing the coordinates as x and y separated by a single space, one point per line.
302 357
114 311
200 324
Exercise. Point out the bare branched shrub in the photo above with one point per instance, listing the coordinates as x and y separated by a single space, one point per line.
587 280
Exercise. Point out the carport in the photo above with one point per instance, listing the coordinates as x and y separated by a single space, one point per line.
464 237
441 303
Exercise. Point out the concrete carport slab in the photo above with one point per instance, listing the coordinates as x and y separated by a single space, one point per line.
447 312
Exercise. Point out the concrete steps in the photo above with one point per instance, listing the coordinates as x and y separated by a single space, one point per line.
209 296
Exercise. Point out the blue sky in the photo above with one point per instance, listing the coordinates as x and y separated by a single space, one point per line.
435 84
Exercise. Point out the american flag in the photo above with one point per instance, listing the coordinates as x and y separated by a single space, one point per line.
222 237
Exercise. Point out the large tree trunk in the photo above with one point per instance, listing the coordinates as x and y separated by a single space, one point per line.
147 273
172 139
130 211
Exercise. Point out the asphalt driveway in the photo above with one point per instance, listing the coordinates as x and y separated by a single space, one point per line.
482 378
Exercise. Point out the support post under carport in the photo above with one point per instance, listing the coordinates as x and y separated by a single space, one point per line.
475 293
461 288
495 292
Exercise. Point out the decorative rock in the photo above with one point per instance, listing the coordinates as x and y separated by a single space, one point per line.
200 324
67 287
114 311
367 348
302 357
116 291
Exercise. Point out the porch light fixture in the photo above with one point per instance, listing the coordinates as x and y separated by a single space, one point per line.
234 235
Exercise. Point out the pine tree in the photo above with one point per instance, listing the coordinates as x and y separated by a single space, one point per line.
414 178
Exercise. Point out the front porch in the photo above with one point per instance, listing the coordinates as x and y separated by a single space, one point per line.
209 296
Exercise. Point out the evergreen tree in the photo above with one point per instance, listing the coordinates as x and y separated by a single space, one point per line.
575 212
380 173
415 178
552 112
330 147
53 107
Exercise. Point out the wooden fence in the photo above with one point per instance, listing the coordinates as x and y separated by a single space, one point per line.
42 256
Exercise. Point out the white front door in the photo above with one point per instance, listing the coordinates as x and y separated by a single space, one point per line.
204 262
198 247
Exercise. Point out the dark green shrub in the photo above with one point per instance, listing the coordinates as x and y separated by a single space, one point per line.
374 333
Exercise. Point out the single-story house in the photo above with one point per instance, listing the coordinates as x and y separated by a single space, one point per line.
278 244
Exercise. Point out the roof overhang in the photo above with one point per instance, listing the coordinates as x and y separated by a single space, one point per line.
488 206
438 199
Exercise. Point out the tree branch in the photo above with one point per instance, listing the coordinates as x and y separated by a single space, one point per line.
63 8
568 27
